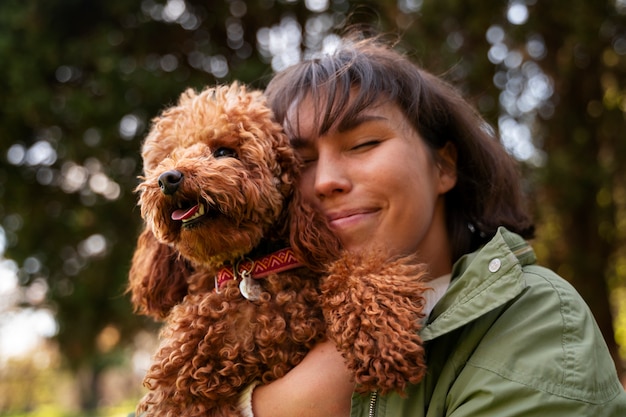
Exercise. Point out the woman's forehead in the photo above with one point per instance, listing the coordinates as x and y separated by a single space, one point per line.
319 112
300 120
304 131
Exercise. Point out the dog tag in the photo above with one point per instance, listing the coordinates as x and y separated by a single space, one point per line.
249 288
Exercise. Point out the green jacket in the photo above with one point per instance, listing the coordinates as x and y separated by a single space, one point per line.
508 338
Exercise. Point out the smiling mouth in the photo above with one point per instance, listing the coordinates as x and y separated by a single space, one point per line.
189 215
347 215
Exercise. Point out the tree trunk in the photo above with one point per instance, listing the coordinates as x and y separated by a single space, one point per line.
88 381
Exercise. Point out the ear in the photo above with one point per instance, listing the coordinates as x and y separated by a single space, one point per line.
309 235
158 277
447 159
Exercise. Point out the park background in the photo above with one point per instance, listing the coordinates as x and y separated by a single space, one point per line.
80 81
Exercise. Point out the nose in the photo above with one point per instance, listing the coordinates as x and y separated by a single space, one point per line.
331 177
169 181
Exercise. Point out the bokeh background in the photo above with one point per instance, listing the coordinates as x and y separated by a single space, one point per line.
80 81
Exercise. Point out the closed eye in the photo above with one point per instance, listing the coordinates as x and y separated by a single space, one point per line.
307 157
224 152
365 145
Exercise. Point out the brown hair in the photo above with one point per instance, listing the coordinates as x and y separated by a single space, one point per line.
487 194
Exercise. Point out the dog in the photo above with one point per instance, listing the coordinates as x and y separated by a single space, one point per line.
246 275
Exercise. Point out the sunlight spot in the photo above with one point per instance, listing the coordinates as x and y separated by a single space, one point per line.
190 21
619 44
8 272
16 154
168 63
517 13
92 137
173 10
67 73
108 338
495 34
101 184
516 138
238 8
497 53
316 6
455 40
73 177
41 153
45 176
129 126
112 191
409 6
536 47
331 43
63 74
218 66
540 86
22 331
94 245
13 222
281 44
36 292
513 59
98 183
32 265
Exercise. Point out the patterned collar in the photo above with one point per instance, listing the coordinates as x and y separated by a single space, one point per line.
273 263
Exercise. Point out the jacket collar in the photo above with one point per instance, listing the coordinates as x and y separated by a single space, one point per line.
481 282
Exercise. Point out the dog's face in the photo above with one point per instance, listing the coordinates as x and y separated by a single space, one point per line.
217 172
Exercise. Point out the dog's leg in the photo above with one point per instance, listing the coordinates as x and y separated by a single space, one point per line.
373 308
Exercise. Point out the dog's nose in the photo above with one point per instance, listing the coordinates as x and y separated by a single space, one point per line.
169 181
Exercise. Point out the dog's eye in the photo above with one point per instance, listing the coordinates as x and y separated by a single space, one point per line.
224 152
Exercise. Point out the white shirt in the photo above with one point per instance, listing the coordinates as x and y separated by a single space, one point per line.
439 286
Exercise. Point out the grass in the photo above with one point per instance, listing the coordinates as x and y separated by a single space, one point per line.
122 410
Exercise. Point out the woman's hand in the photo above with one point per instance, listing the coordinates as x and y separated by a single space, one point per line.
319 386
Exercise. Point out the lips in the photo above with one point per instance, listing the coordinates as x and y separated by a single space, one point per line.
351 222
346 214
189 214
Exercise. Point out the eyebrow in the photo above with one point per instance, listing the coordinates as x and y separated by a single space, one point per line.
348 123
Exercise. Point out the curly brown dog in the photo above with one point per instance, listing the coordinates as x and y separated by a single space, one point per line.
246 275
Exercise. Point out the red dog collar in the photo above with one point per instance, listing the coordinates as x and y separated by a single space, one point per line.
279 261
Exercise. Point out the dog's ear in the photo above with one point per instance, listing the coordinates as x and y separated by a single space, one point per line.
309 235
157 278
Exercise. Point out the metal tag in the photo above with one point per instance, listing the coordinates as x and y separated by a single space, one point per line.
248 287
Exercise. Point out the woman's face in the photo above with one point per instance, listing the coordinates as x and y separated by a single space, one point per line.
378 184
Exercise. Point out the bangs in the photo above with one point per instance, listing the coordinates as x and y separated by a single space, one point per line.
338 87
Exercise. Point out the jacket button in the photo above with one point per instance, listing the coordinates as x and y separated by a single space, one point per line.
495 265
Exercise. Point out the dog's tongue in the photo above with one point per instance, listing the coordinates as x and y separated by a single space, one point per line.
184 214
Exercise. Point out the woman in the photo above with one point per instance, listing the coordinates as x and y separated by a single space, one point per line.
395 157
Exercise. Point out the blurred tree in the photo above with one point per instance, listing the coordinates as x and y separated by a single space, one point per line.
80 82
582 184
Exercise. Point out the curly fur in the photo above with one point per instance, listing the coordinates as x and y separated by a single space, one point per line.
372 305
236 161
